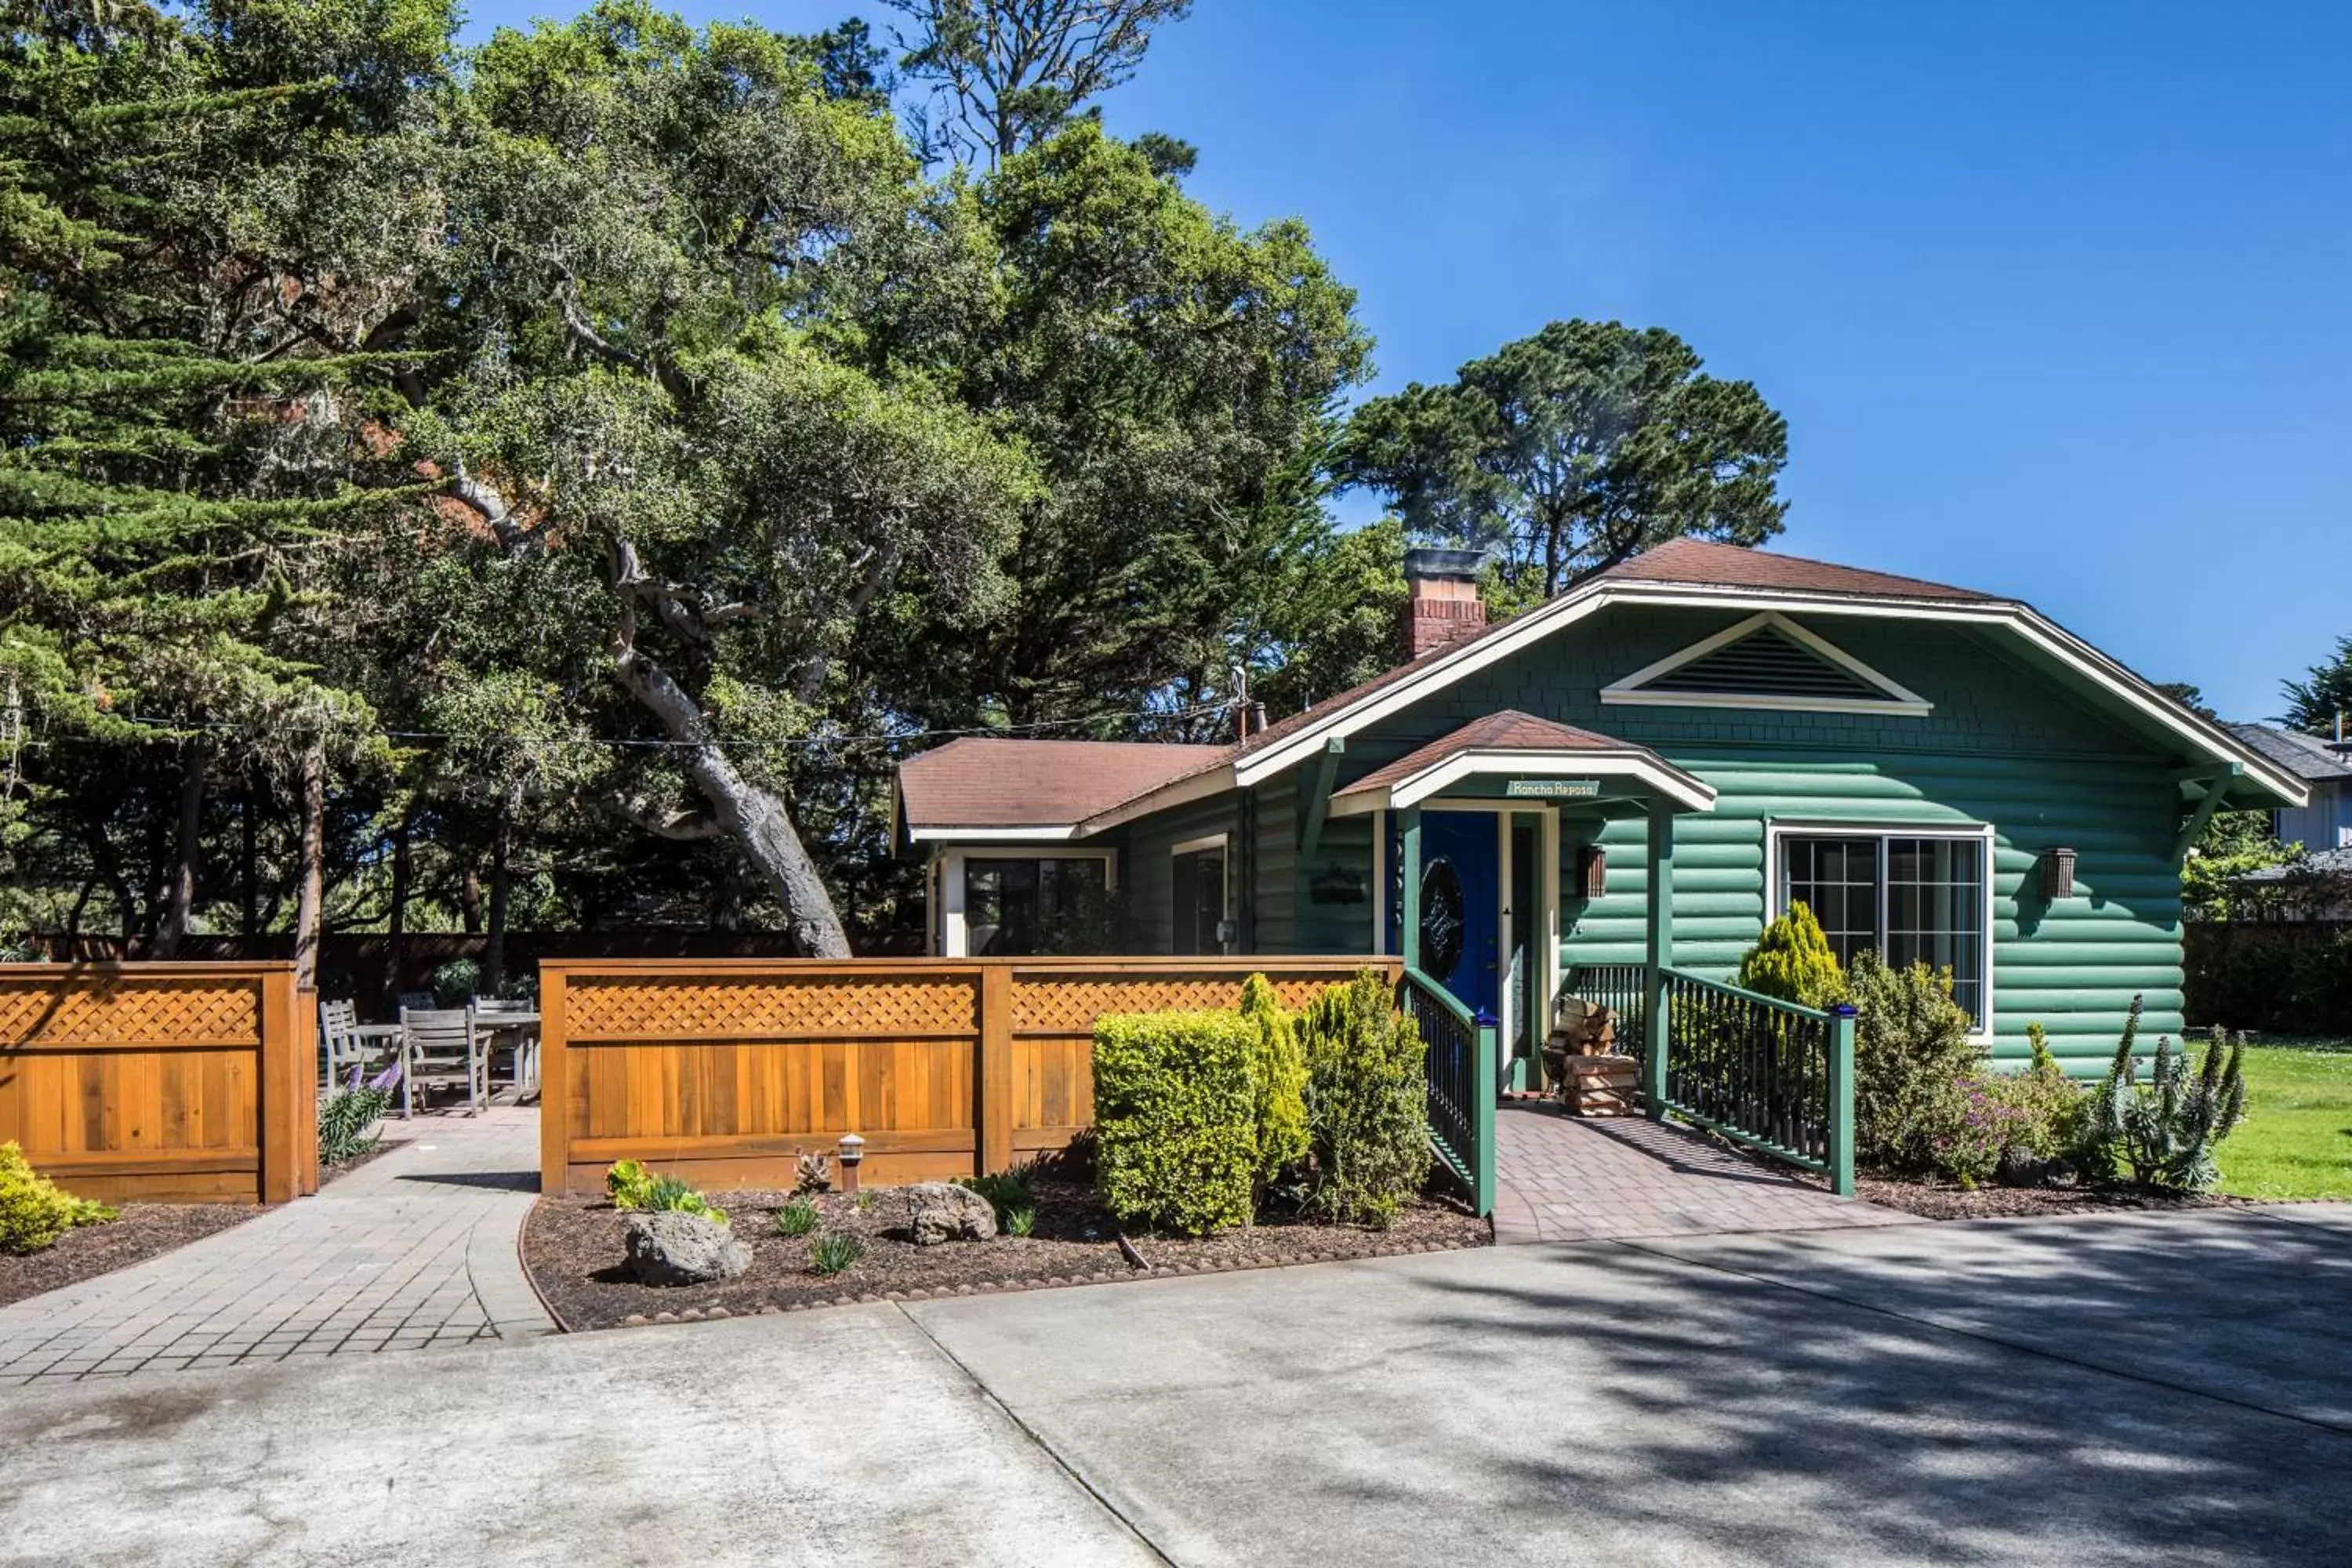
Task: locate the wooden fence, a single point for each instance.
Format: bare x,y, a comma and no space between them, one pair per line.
171,1082
726,1071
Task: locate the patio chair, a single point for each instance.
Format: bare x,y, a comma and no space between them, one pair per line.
440,1047
521,1045
350,1044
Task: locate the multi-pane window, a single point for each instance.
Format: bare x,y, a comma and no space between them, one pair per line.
1912,899
1013,908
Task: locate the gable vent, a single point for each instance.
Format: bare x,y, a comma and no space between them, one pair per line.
1765,663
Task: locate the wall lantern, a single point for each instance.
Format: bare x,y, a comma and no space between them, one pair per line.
853,1154
1592,871
2057,874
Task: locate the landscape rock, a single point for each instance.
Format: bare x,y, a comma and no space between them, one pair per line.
668,1247
2021,1167
942,1211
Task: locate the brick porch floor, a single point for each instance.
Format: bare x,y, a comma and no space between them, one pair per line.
1562,1178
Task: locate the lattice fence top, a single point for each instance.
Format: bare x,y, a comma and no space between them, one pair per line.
1070,1005
654,1007
107,1009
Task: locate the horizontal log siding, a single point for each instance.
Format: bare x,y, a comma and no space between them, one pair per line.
1147,872
2007,744
726,1072
161,1082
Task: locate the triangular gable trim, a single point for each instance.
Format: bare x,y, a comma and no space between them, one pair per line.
1888,696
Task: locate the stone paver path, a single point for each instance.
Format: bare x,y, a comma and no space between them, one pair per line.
1562,1178
416,1249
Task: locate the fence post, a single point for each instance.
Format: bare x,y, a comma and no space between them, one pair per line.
995,1076
1482,1116
1660,897
1842,1099
554,1085
273,1079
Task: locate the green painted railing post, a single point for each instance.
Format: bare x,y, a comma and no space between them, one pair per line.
1842,1099
1409,901
1483,1112
1660,958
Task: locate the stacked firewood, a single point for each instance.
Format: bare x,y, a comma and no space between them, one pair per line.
1589,1075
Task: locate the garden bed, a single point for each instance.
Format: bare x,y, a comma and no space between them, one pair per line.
144,1231
1944,1200
572,1247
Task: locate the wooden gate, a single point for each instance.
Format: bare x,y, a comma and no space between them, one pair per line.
726,1071
171,1082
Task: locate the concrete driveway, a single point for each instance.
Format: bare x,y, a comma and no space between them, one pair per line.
2168,1389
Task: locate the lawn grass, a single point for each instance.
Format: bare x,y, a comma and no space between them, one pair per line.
2297,1139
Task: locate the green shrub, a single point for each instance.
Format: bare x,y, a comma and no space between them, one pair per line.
1020,1221
834,1251
797,1217
625,1184
1277,1080
2163,1131
1367,1103
1912,1062
631,1187
1174,1117
345,1120
1004,1190
33,1212
1793,960
457,983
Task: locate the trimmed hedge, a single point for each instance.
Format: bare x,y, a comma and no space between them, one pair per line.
1175,1118
1367,1102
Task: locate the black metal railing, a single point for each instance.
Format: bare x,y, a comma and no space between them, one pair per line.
1618,987
1758,1069
1461,1083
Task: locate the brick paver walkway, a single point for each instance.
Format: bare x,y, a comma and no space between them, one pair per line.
1561,1178
416,1249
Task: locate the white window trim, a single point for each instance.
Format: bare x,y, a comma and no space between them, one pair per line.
951,935
1981,832
1899,700
1222,844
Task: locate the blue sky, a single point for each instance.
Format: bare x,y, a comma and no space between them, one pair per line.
2055,297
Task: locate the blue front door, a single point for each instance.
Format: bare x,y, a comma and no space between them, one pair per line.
1460,901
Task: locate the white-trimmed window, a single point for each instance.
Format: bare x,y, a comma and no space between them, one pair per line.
1913,895
1198,869
1012,903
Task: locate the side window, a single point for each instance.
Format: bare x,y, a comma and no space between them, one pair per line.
1199,893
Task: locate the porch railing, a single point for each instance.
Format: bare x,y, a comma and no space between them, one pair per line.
1461,1083
1618,987
1766,1073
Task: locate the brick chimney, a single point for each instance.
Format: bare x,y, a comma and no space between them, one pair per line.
1443,606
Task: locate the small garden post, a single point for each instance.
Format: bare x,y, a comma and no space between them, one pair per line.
1409,905
1484,1095
1842,1099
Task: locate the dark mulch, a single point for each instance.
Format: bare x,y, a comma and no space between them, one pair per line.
1936,1200
573,1249
144,1231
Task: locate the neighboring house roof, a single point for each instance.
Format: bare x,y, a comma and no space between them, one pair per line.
1512,741
2320,863
1736,566
1684,571
2307,757
982,782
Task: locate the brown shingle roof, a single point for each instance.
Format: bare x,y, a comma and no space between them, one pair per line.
1510,730
1696,561
984,782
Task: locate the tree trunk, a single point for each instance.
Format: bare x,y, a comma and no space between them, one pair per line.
469,901
309,904
494,951
249,854
180,892
753,817
395,944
